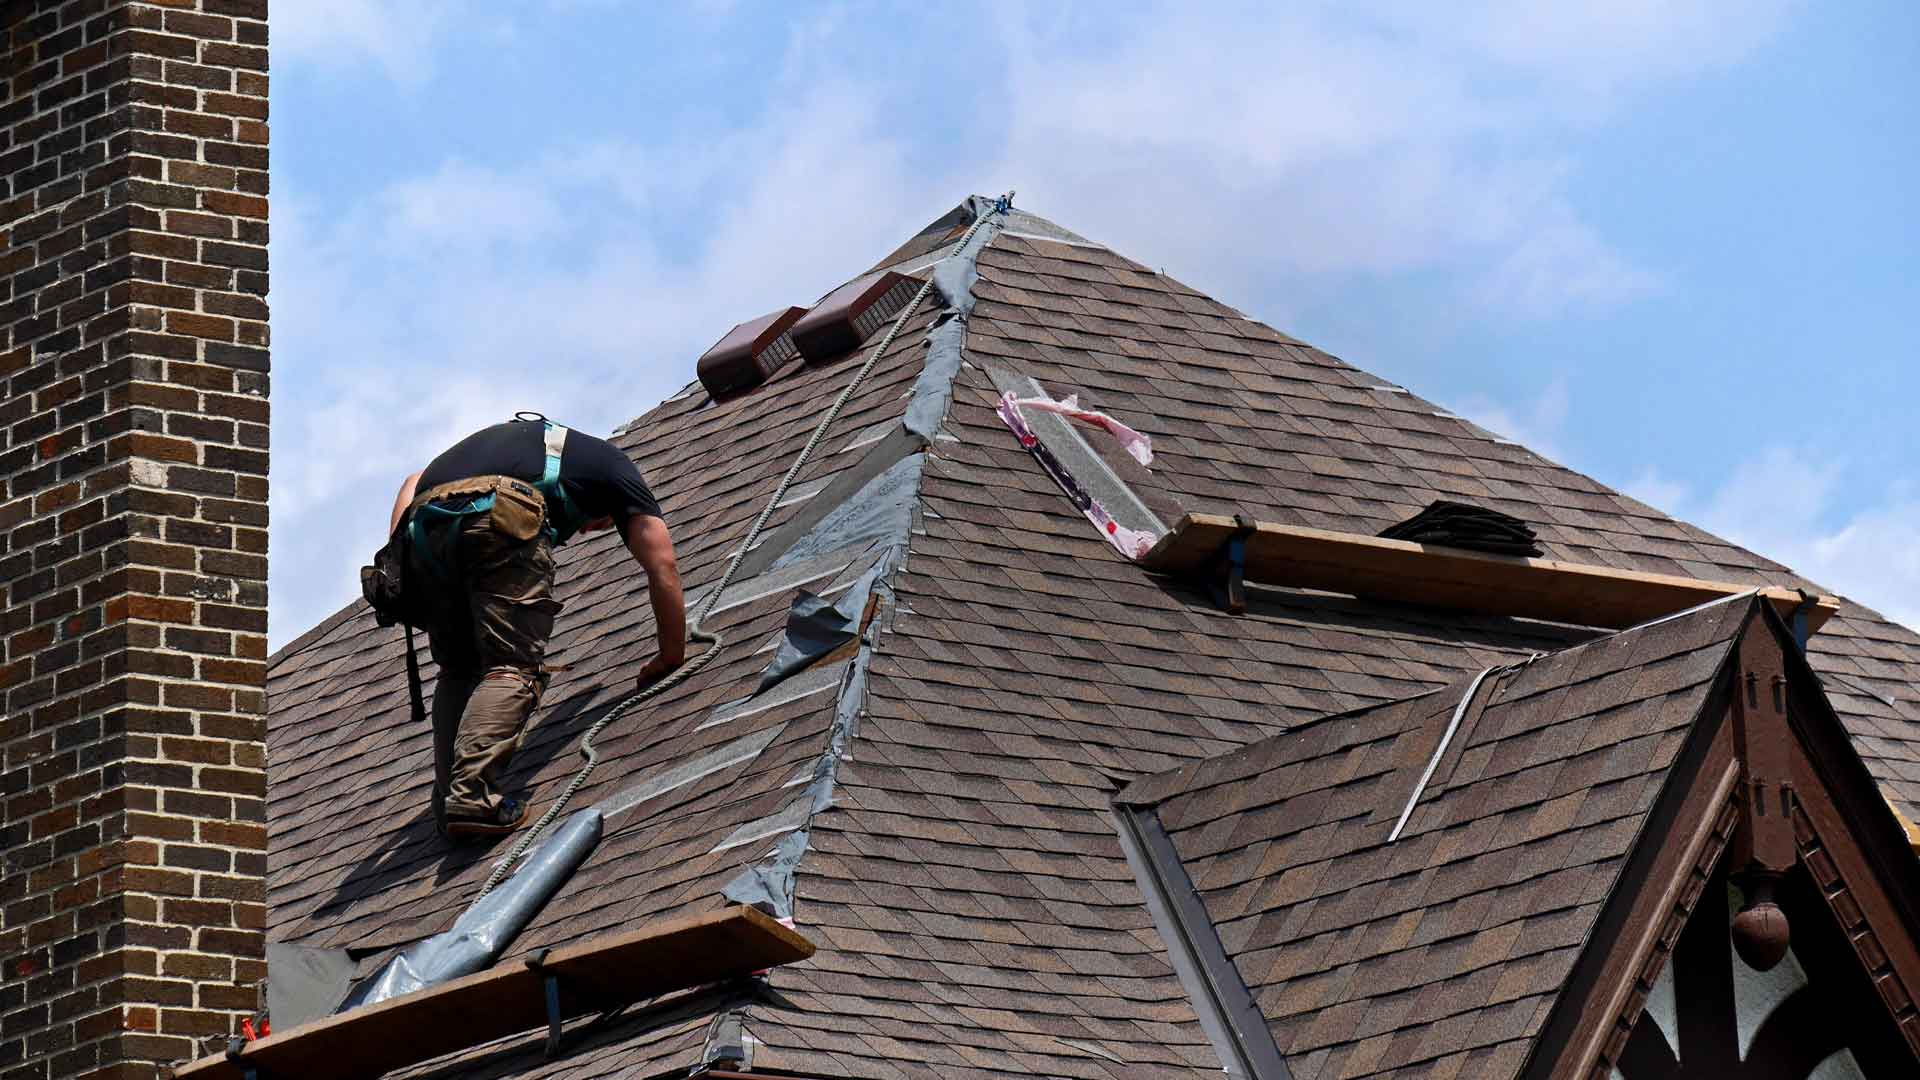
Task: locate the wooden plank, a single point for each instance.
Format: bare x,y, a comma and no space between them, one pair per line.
673,954
1436,576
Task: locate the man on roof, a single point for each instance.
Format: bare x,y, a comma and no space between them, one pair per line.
482,522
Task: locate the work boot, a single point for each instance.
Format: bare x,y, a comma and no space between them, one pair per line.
510,815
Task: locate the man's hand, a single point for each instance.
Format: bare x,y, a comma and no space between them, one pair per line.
656,669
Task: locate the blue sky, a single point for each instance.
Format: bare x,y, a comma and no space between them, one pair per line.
1674,245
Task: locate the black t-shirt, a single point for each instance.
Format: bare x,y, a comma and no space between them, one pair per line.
601,481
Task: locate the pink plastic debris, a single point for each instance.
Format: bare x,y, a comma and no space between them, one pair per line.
1136,444
1132,543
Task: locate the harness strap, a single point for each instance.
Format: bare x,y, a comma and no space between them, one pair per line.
556,443
413,680
472,485
562,517
480,489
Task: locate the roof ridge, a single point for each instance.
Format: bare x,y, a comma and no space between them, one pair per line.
769,882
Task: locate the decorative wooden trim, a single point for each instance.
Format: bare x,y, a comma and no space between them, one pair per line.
1850,913
1610,982
1678,912
1453,578
1857,857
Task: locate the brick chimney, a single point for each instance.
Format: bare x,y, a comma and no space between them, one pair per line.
133,514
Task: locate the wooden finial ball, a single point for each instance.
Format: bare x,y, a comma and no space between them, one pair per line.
1761,935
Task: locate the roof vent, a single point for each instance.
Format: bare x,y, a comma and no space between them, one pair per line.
750,353
846,316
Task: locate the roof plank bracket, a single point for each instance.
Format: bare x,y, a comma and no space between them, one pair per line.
550,986
1227,569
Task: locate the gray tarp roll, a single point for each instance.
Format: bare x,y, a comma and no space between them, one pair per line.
485,929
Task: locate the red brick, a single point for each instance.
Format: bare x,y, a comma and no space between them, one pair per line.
202,326
159,609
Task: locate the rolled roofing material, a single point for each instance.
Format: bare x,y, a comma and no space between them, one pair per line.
484,930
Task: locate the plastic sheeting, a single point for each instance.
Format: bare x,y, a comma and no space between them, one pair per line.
729,1045
1138,446
485,929
882,509
768,884
1133,543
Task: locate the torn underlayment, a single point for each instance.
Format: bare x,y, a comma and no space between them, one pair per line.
485,929
728,1045
768,884
1133,543
816,627
953,278
880,512
882,509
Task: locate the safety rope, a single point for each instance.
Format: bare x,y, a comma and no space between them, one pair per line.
695,632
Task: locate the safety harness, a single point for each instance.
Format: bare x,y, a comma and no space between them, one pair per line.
427,534
448,505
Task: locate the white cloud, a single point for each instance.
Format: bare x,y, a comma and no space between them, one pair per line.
1352,139
1784,504
1654,488
1599,51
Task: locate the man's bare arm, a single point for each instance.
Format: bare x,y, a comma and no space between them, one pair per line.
403,500
652,547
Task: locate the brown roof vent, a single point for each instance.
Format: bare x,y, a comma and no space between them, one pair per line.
750,353
846,316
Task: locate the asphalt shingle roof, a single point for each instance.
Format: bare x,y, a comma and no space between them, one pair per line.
975,914
1440,952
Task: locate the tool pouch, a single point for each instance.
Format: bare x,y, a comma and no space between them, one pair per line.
518,510
383,584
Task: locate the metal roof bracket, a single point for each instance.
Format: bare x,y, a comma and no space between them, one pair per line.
550,984
248,1070
1801,628
1227,570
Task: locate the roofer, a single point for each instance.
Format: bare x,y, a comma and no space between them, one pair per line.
482,522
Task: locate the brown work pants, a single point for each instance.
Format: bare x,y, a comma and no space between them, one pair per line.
489,634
